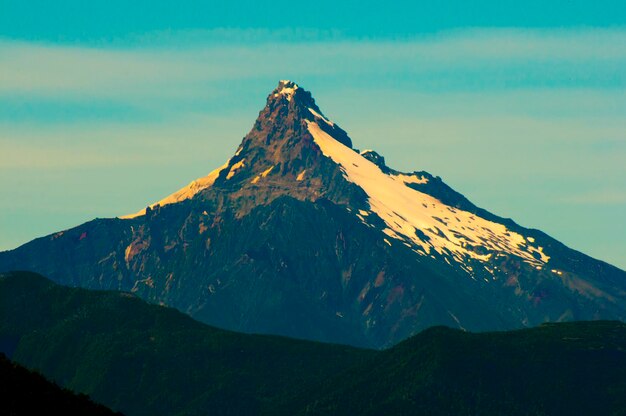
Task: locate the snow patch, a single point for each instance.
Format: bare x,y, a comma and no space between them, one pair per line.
318,115
287,89
187,192
267,171
262,174
444,229
234,168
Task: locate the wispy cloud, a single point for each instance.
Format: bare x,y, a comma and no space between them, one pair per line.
602,197
191,140
174,69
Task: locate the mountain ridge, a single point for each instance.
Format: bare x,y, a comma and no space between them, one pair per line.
149,360
299,234
286,105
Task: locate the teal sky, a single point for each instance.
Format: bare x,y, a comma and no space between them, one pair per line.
108,106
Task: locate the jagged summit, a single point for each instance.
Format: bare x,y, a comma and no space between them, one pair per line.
289,90
376,158
279,143
289,104
286,88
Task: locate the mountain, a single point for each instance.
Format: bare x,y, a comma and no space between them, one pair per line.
300,234
25,393
150,360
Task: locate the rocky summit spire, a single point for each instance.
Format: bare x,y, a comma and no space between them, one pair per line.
289,106
287,89
279,149
281,152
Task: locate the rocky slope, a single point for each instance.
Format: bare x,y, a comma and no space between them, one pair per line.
299,234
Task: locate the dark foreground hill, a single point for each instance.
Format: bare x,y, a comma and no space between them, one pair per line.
574,368
145,359
25,393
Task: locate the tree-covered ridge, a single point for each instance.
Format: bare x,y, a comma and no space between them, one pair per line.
555,369
26,393
146,359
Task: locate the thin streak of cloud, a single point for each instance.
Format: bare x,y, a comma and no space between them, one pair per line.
601,197
186,140
476,43
588,56
536,114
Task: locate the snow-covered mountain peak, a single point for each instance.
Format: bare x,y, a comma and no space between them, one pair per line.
184,193
419,220
316,240
281,154
278,138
